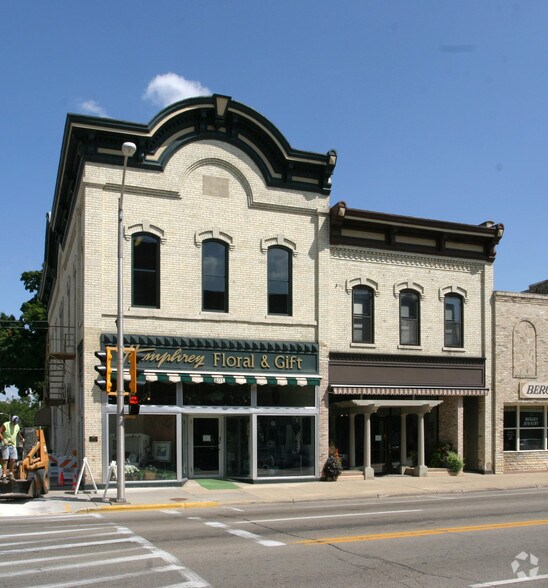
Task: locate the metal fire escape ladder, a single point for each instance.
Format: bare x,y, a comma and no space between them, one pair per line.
60,355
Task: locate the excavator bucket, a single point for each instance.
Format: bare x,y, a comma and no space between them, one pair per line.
19,489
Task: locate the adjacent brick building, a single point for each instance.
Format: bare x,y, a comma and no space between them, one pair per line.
521,379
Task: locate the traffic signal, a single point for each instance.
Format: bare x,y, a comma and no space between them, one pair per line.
134,405
135,371
104,381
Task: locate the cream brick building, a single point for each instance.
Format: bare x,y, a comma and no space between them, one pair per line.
269,323
410,339
225,246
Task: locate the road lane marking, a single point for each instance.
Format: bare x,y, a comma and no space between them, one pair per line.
257,538
244,534
331,516
510,581
421,532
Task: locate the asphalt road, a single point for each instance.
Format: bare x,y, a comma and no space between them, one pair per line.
483,539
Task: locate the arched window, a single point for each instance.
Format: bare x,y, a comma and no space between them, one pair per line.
145,250
409,318
215,276
279,281
453,323
362,314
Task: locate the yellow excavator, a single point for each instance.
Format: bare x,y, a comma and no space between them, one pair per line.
32,471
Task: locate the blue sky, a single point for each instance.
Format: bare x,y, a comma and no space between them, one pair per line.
437,109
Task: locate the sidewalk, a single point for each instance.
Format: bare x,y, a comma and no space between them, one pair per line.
193,494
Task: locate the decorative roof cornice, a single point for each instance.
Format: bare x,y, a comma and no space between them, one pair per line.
375,230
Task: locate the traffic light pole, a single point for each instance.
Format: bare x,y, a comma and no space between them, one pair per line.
128,149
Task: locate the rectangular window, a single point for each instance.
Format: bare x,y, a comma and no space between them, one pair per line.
215,276
285,446
279,281
409,318
525,428
146,270
362,315
531,428
453,321
286,396
510,428
216,394
143,434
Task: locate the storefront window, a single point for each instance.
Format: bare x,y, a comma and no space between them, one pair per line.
288,396
159,393
285,446
237,446
510,428
150,447
524,428
216,395
531,428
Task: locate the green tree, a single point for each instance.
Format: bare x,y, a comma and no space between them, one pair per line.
24,408
23,343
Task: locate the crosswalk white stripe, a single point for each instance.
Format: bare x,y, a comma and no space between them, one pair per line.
50,558
191,579
86,582
87,564
56,532
68,545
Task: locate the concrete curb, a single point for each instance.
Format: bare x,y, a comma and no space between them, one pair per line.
296,500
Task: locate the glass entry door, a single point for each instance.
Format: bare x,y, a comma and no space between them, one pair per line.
206,447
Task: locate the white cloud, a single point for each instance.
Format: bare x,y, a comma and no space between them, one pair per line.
167,88
92,107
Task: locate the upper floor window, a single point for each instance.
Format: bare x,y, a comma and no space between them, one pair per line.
409,318
146,270
453,324
215,276
279,281
362,314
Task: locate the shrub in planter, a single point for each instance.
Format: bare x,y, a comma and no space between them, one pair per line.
439,456
333,466
454,462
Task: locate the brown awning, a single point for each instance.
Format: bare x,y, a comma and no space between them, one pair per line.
386,391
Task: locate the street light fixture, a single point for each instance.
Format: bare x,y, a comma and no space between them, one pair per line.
128,149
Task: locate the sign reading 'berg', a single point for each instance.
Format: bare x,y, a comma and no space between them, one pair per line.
534,390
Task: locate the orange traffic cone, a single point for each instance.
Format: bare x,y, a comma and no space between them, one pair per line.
61,480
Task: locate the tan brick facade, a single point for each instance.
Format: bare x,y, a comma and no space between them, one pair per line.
521,342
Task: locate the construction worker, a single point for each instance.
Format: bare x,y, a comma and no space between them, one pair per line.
9,433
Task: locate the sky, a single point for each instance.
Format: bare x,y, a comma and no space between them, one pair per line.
437,109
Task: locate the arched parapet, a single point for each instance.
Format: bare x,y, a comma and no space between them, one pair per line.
214,117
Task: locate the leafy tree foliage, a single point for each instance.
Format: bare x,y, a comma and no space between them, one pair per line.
23,343
24,408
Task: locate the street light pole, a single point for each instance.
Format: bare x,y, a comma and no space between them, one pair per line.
128,149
